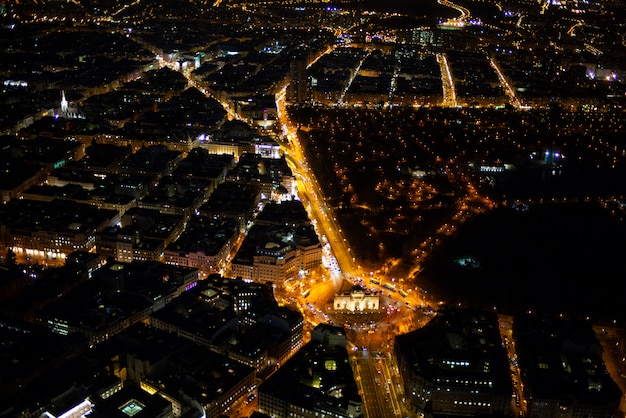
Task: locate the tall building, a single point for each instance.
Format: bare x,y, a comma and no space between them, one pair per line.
298,89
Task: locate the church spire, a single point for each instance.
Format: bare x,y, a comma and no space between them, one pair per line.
64,104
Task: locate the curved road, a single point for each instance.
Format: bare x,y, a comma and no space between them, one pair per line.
465,13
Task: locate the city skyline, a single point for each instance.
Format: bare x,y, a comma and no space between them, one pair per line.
275,181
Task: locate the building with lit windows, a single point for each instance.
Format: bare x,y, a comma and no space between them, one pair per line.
272,175
141,235
181,144
52,230
257,110
204,244
64,176
238,319
456,365
284,333
130,401
90,262
275,253
251,355
263,146
136,186
315,383
117,296
194,380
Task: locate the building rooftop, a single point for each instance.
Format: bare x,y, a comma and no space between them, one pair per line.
59,216
274,240
316,378
132,402
116,293
457,345
205,235
14,172
231,198
200,164
562,359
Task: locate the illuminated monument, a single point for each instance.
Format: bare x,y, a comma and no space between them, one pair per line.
356,300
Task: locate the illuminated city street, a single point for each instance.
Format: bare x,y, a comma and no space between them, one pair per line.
312,195
312,209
